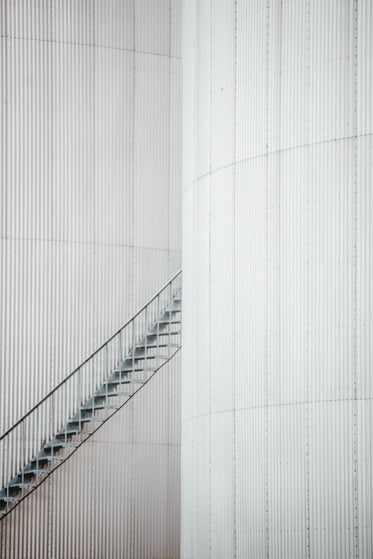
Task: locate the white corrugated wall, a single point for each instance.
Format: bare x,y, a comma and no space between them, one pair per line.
89,166
118,496
277,274
90,207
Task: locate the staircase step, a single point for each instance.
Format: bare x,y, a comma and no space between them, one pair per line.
154,334
119,393
154,346
143,356
118,384
98,407
67,432
34,472
10,499
169,316
127,381
60,444
53,457
43,458
127,369
21,485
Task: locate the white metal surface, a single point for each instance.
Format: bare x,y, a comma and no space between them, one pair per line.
277,279
63,420
118,495
89,209
90,214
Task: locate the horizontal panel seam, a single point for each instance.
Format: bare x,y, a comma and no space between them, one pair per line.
275,152
91,243
280,405
76,44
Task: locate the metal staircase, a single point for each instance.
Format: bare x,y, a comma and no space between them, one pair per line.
52,430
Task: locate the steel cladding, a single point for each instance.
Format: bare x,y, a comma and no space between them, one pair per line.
277,275
89,211
118,495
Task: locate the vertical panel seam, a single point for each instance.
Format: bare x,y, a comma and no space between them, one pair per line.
234,348
132,461
266,364
279,139
93,511
194,274
307,280
354,277
169,159
194,199
169,403
209,293
133,155
52,379
7,420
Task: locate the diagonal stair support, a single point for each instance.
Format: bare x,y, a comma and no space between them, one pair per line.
44,438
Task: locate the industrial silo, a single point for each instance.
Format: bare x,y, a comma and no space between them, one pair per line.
277,331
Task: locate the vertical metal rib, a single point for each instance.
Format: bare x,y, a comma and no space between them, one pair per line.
62,430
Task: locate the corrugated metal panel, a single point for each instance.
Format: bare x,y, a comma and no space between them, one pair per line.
119,494
89,165
277,322
90,210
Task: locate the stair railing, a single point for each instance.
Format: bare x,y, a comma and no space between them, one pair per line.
23,441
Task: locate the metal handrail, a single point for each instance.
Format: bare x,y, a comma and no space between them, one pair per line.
58,386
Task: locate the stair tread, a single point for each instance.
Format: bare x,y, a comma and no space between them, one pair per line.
25,485
155,334
10,499
154,346
127,381
98,407
163,330
34,472
61,445
129,369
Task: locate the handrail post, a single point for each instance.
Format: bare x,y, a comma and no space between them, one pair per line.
65,419
120,346
157,348
38,442
79,406
93,387
107,378
146,342
7,474
133,358
51,431
23,457
170,321
121,374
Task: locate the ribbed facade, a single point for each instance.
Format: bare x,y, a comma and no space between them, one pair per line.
89,160
90,208
277,275
118,496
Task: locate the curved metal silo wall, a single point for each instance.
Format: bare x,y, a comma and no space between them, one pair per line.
89,231
277,273
90,111
118,496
